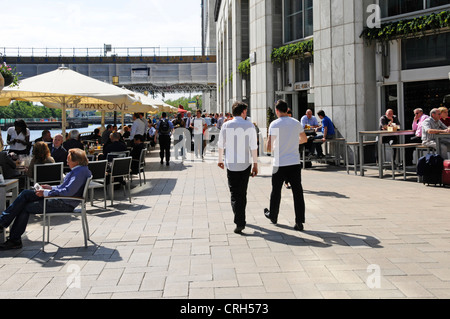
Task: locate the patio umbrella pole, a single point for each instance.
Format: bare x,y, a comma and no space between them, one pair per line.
103,122
64,118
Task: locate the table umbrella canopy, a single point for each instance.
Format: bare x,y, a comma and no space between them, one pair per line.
65,87
181,109
158,105
139,106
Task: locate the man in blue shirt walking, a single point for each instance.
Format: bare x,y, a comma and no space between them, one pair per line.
31,201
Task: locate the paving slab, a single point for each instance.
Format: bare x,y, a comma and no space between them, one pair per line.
364,237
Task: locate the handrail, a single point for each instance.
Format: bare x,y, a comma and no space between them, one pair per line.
101,52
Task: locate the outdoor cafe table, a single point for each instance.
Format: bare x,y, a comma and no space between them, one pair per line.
379,135
438,138
8,185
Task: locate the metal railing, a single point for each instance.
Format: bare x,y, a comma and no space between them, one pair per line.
103,51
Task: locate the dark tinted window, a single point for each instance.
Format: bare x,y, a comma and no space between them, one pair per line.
429,51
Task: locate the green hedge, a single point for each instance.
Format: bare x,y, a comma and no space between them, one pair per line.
405,28
291,51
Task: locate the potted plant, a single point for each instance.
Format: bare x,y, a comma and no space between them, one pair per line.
10,78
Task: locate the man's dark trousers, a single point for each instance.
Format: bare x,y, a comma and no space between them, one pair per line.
164,145
238,182
292,175
25,204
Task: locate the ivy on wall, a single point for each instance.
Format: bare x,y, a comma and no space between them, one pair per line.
405,28
293,50
244,67
284,53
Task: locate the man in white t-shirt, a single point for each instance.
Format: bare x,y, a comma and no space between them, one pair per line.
285,134
238,137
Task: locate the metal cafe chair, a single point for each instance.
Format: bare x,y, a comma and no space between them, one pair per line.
49,173
98,171
111,155
76,212
120,167
141,167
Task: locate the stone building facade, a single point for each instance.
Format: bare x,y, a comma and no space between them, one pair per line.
353,80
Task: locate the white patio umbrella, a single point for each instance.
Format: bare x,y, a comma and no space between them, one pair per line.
104,106
65,87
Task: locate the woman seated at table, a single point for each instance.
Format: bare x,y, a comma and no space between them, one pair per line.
41,155
444,116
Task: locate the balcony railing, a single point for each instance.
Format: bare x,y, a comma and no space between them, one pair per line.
104,51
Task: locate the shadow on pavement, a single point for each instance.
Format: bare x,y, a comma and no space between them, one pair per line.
308,237
325,194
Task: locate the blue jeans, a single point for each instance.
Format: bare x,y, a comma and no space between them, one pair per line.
25,204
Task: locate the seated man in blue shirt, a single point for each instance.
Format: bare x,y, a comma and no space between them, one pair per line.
31,201
327,132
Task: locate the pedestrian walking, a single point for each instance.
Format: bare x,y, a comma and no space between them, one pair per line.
238,138
285,135
164,130
198,125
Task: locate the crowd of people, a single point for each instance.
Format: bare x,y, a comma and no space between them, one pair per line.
238,147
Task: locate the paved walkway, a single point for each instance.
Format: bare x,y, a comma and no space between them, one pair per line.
364,238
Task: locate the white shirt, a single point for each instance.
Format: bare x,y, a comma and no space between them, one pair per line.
285,133
138,127
238,138
198,124
17,146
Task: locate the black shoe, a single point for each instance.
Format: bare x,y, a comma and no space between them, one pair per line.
11,244
298,227
267,214
167,163
239,229
162,162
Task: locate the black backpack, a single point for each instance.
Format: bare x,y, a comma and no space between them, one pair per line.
164,127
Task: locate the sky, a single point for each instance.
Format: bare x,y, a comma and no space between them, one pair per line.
92,23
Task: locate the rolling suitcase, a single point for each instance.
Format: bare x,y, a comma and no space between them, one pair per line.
446,173
430,167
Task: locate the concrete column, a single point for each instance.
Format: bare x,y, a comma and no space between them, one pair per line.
344,66
236,51
262,75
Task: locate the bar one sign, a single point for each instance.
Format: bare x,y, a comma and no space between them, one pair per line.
99,107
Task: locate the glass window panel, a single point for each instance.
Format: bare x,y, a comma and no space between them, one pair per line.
396,7
437,3
426,52
426,95
308,18
298,19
